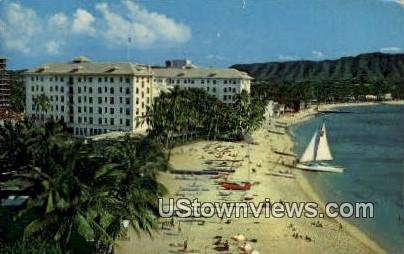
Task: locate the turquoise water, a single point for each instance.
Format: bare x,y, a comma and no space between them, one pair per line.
369,144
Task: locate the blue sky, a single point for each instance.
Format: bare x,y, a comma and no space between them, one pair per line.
210,32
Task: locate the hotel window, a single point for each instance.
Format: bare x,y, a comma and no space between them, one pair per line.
147,100
78,79
106,99
225,82
225,90
214,81
120,79
105,89
142,84
90,79
120,121
142,94
62,89
127,91
99,90
90,110
127,122
127,111
79,119
127,100
111,79
90,99
62,108
224,97
85,109
148,90
120,100
137,111
99,100
127,80
105,110
137,90
99,110
234,89
79,99
56,88
62,98
79,109
207,88
120,89
32,78
142,104
90,120
79,89
105,120
111,100
32,88
41,79
111,111
111,90
234,82
51,89
90,90
62,79
137,100
99,80
105,79
71,119
41,88
121,110
111,121
99,120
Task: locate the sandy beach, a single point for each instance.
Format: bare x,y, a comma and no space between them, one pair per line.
254,162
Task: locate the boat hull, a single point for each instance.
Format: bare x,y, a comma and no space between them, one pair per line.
236,186
320,168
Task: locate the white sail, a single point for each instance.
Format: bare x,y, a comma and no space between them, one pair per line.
323,150
309,153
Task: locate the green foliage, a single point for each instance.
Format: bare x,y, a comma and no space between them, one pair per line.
17,96
186,114
81,191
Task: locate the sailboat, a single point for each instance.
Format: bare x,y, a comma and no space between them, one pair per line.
317,153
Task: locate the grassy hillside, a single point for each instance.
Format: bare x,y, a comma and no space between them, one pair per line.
371,67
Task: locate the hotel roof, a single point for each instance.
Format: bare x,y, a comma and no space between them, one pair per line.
82,65
218,73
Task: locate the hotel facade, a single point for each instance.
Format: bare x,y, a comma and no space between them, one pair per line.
94,98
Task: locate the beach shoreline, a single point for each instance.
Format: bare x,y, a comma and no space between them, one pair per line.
270,234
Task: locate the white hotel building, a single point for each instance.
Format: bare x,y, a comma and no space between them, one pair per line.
93,98
221,82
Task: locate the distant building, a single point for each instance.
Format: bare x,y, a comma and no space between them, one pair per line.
91,97
388,96
224,83
370,97
179,63
5,90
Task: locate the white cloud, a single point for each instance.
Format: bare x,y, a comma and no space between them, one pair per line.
24,31
53,47
83,21
18,27
317,54
400,2
390,50
146,28
58,21
288,58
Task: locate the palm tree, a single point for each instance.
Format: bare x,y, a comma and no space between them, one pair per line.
42,102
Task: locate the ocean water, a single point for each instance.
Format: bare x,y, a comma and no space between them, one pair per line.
369,144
